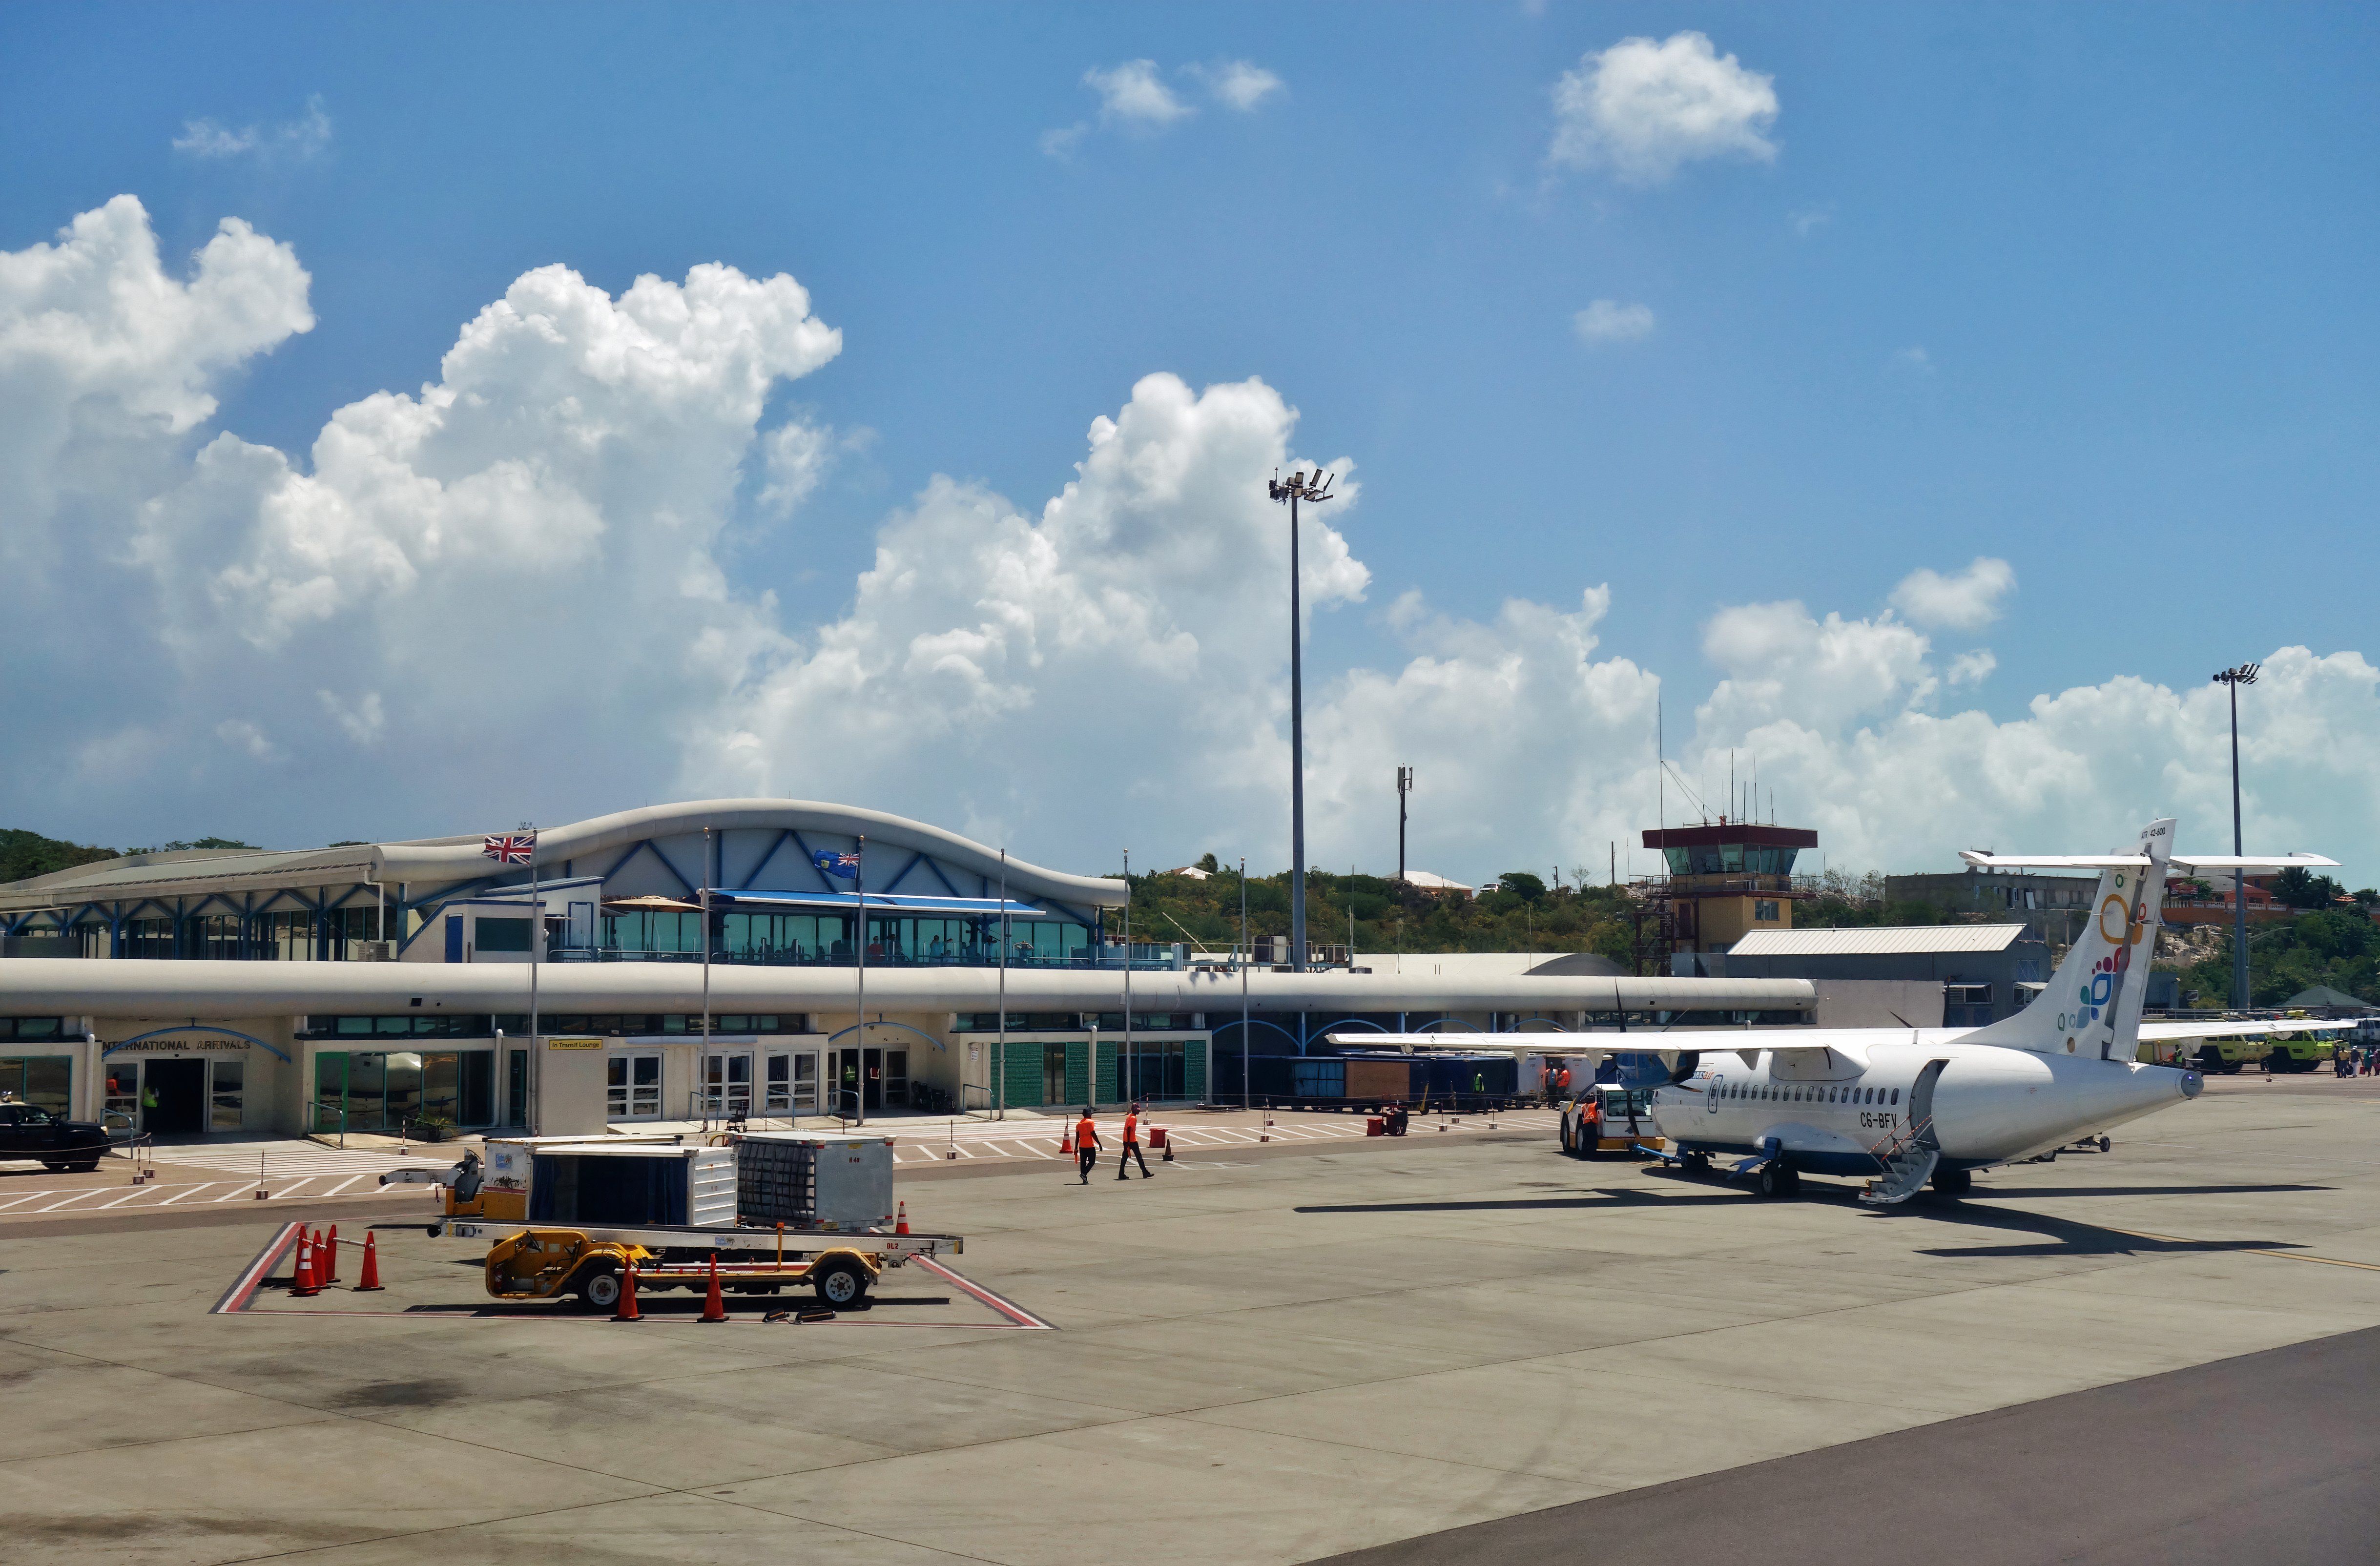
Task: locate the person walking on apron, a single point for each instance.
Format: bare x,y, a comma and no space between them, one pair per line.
1086,1146
1130,1148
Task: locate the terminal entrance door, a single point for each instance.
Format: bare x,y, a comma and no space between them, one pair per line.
727,1084
858,1078
172,1098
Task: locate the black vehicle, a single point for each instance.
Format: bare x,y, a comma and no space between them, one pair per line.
29,1131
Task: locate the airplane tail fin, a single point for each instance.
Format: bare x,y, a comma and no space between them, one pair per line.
2092,1006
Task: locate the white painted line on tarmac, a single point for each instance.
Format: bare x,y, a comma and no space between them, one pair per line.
294,1185
34,1197
242,1189
343,1186
135,1190
191,1191
1034,1151
79,1196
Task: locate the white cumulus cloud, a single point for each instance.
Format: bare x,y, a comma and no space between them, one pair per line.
1609,321
504,594
1967,601
1641,109
1132,93
1238,84
306,137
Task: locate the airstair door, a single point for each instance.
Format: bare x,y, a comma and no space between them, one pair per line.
1920,1105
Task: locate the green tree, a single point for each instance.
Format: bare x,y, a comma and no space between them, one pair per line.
24,854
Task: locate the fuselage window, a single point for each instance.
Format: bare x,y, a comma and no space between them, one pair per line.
1896,1095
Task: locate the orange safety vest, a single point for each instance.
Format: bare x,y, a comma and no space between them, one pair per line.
1086,1134
1130,1130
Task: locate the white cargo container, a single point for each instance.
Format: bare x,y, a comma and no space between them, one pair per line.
838,1181
588,1184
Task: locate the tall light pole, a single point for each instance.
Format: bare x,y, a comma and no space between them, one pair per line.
1404,786
2245,674
1316,488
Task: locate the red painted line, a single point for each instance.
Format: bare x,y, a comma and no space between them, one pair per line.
244,1287
1016,1312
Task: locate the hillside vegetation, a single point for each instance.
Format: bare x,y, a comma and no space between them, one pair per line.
24,854
1525,916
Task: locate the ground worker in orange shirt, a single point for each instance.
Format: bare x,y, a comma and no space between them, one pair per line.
1131,1149
1086,1146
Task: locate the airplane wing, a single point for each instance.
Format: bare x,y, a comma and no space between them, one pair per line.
1984,861
2186,864
2166,1032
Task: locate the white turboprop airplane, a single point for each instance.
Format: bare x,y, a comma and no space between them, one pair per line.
1906,1106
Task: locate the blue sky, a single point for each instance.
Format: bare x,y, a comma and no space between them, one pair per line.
2083,289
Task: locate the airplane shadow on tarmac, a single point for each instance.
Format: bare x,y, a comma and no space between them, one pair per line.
2070,1238
2064,1237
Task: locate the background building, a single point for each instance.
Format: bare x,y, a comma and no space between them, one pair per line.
364,986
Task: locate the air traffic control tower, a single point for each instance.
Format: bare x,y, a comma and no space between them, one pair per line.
1725,879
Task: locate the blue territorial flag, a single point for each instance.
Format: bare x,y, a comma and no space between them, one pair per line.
843,865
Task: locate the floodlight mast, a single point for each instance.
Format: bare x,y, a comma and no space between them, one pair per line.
1313,488
2245,674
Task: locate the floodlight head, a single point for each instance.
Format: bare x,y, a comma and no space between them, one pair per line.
2245,674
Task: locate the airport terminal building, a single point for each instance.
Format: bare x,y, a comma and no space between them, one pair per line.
366,987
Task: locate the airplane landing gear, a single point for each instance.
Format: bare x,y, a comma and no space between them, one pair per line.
1776,1178
1953,1182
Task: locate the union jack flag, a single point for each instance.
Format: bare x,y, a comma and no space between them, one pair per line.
843,865
509,848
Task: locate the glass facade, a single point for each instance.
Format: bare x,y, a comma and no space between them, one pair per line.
45,1081
651,1025
408,1024
1730,859
632,1087
388,1090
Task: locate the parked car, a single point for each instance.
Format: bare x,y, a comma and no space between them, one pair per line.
29,1131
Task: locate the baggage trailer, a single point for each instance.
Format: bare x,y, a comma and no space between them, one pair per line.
587,1265
769,1211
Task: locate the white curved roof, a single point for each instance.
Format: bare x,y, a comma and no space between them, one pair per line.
458,858
431,861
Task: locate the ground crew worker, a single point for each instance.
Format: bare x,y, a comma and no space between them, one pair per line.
1591,1124
1086,1146
1130,1148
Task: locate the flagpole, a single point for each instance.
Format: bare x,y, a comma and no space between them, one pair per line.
859,949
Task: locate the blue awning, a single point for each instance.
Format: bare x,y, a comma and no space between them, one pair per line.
891,903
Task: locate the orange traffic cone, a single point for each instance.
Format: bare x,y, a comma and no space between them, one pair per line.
1169,1147
628,1310
714,1307
330,1258
370,1283
1066,1141
901,1220
305,1285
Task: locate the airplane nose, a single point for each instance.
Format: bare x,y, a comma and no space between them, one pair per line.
2193,1084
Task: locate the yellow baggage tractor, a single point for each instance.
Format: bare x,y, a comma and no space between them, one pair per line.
588,1266
1627,1121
